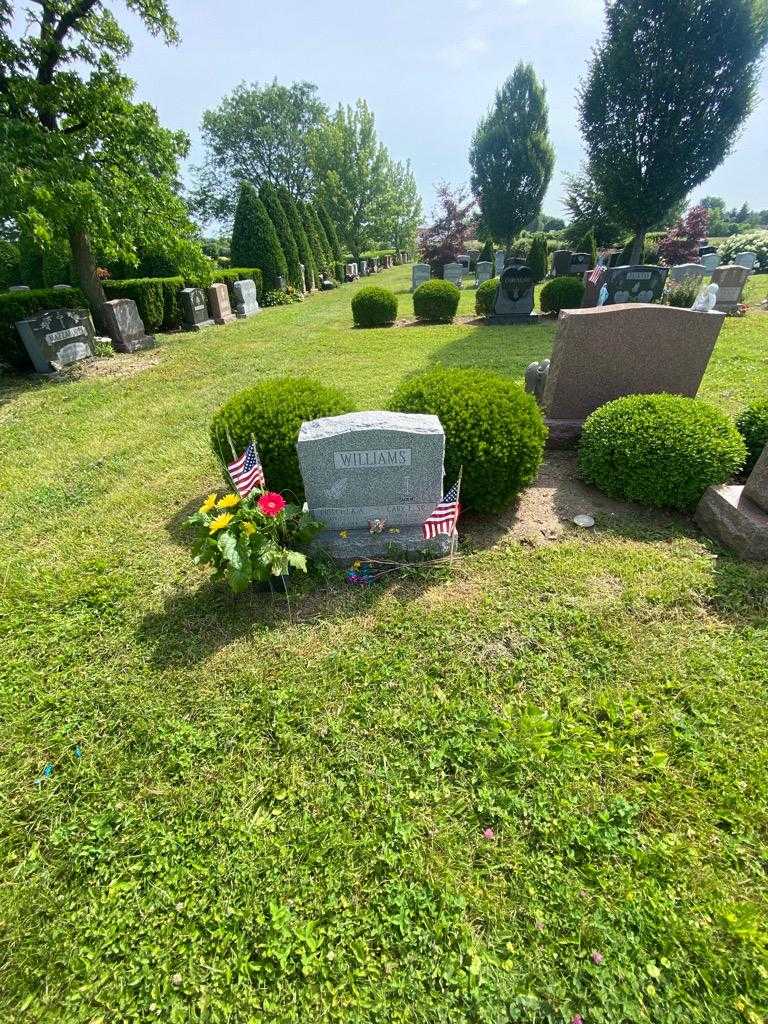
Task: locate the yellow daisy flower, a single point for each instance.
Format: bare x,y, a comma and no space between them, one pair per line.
249,528
220,522
343,534
228,501
208,504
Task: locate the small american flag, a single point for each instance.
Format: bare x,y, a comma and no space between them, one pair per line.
597,273
246,472
443,519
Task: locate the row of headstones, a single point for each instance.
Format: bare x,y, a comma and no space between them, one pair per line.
566,263
364,268
617,285
57,338
453,272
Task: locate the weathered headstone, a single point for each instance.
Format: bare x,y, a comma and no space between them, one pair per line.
62,287
246,302
710,261
635,284
593,283
125,327
19,288
738,516
420,272
218,300
464,261
746,259
686,271
194,309
633,349
581,263
373,479
362,268
561,262
483,271
453,272
57,338
513,303
730,280
498,261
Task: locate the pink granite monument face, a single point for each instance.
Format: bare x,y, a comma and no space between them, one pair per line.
218,300
632,349
730,280
737,517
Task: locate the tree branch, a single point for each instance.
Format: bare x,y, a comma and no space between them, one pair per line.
53,49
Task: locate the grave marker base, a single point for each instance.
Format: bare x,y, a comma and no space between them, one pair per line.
501,320
408,544
734,521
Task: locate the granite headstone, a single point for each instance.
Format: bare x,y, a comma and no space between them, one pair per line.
635,284
194,309
498,262
738,516
710,261
746,259
57,338
581,263
125,327
513,302
453,272
218,300
561,262
420,272
730,280
246,302
686,271
483,271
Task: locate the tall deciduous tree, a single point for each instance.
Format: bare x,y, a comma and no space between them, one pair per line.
668,88
402,209
78,159
511,156
254,239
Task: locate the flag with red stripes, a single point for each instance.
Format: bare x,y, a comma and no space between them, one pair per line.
246,472
445,516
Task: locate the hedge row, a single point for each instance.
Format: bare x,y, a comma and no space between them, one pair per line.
21,305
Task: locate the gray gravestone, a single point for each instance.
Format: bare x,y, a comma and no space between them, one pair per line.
561,262
513,303
125,327
420,272
730,280
483,271
581,263
499,263
62,287
463,260
686,271
218,300
453,272
635,284
746,259
710,261
738,516
373,479
245,298
194,309
57,338
19,288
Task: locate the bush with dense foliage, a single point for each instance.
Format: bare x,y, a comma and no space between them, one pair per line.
16,306
10,263
682,293
270,198
493,429
373,306
753,241
149,294
485,295
681,243
561,293
297,229
753,427
537,258
330,232
254,239
659,450
273,413
436,301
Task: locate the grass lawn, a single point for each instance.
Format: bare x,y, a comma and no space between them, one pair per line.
255,819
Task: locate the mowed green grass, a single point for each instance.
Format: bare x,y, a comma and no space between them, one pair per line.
257,817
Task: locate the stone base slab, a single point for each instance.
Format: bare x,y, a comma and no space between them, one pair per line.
495,320
221,320
200,326
408,544
563,433
134,344
726,516
246,316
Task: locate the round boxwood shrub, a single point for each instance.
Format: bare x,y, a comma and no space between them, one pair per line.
753,427
660,450
485,295
273,413
436,301
492,428
561,293
374,306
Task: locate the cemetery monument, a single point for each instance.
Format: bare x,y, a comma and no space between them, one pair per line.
246,303
57,338
194,309
218,300
125,327
730,280
737,516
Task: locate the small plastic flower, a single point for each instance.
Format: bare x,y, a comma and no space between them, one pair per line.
577,1019
208,504
221,522
597,958
271,503
249,528
343,534
488,833
228,501
357,565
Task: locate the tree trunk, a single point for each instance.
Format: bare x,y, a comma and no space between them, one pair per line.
86,273
638,248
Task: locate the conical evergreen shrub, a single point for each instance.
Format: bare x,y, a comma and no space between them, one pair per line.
254,239
538,260
268,196
322,238
330,231
300,236
314,242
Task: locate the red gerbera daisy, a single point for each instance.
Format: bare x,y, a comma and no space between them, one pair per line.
271,503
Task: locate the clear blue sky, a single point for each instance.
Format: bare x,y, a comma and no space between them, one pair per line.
428,69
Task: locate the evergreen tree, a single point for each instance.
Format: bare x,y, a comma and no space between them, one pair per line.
296,224
330,231
538,259
254,239
589,244
314,242
322,238
268,195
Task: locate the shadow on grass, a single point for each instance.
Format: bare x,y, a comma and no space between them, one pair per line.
505,350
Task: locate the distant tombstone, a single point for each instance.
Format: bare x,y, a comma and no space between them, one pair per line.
453,272
635,284
686,271
561,262
303,271
736,516
62,287
483,271
513,303
464,261
362,268
19,288
373,479
499,263
420,272
581,263
632,349
125,327
746,259
194,309
730,280
710,261
57,338
218,300
593,285
246,301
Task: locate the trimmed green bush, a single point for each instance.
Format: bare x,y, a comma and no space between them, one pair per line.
254,239
330,232
21,305
561,293
322,264
322,237
493,429
300,235
10,264
373,306
268,195
537,258
753,427
273,413
149,294
659,450
436,301
485,295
